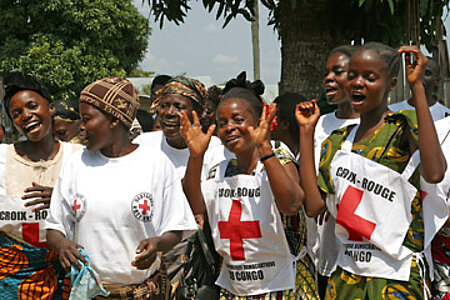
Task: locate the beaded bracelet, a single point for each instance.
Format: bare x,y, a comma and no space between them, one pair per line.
264,158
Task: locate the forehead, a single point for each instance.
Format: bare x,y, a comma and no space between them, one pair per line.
175,98
88,109
233,106
368,60
25,96
338,59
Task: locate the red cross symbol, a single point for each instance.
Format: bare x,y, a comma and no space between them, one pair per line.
76,206
356,226
236,230
144,207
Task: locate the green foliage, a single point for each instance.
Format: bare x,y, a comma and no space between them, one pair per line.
70,43
140,73
146,89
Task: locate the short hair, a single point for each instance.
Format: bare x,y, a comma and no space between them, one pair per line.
160,80
249,96
286,104
347,50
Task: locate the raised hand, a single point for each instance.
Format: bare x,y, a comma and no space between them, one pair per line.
307,113
40,193
196,140
414,72
261,134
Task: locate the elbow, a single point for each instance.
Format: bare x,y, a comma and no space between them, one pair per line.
295,205
434,178
312,213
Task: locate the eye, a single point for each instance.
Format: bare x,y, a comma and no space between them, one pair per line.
351,75
164,105
239,120
221,123
180,106
33,105
371,77
15,114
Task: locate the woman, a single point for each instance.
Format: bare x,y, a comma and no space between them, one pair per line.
66,121
259,187
369,180
116,199
28,171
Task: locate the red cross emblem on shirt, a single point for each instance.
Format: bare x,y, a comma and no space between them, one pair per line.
76,206
145,207
236,230
356,226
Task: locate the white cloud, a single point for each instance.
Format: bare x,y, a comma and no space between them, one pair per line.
225,59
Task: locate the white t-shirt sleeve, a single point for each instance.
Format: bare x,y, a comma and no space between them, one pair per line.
60,215
176,214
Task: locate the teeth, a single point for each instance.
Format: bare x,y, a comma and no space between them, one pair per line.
28,126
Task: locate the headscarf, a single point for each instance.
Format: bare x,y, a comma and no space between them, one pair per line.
115,96
67,110
184,86
15,82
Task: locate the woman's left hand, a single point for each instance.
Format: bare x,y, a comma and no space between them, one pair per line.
41,193
261,134
414,72
147,251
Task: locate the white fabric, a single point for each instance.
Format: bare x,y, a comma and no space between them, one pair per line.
264,262
437,110
322,244
16,219
372,207
108,205
179,157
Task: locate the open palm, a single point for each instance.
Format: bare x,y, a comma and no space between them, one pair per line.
196,140
261,133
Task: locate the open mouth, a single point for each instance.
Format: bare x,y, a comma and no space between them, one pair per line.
231,140
31,127
330,91
358,98
170,125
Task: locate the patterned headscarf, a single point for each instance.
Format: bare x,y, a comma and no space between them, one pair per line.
184,86
67,110
115,96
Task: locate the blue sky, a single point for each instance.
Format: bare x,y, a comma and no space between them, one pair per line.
200,47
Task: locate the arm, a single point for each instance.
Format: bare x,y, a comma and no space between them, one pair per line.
433,164
307,115
67,250
197,143
149,248
284,181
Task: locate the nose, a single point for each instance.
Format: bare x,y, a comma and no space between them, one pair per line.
328,77
82,126
357,82
26,114
172,111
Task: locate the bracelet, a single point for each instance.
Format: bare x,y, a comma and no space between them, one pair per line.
264,158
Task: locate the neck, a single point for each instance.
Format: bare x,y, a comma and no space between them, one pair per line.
177,143
345,111
430,100
247,161
44,149
371,121
121,146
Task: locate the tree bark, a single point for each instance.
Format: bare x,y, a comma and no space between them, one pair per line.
305,46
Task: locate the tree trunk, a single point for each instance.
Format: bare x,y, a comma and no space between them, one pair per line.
305,46
255,43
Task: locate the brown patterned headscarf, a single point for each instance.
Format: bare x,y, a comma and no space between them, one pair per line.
115,96
184,86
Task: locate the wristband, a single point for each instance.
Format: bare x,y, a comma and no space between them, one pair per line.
264,158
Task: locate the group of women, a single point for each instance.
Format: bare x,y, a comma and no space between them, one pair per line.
376,180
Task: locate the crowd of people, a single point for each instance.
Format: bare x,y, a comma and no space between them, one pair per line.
217,194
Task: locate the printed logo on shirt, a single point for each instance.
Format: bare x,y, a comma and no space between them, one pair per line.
78,206
142,207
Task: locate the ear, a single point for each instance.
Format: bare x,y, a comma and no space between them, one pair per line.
52,108
393,83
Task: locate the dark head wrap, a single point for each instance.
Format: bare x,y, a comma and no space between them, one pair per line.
15,82
257,86
184,86
67,110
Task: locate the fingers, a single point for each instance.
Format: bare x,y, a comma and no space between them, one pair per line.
211,129
147,250
144,262
272,112
196,119
71,256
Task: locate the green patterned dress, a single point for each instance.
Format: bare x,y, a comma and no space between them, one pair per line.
389,146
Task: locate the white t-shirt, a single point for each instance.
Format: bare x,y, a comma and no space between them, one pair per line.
437,110
179,157
321,238
108,205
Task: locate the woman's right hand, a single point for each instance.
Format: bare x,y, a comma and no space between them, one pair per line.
69,254
196,140
307,113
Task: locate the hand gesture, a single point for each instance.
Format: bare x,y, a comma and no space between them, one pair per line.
261,134
414,72
41,193
69,254
196,140
307,113
147,251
